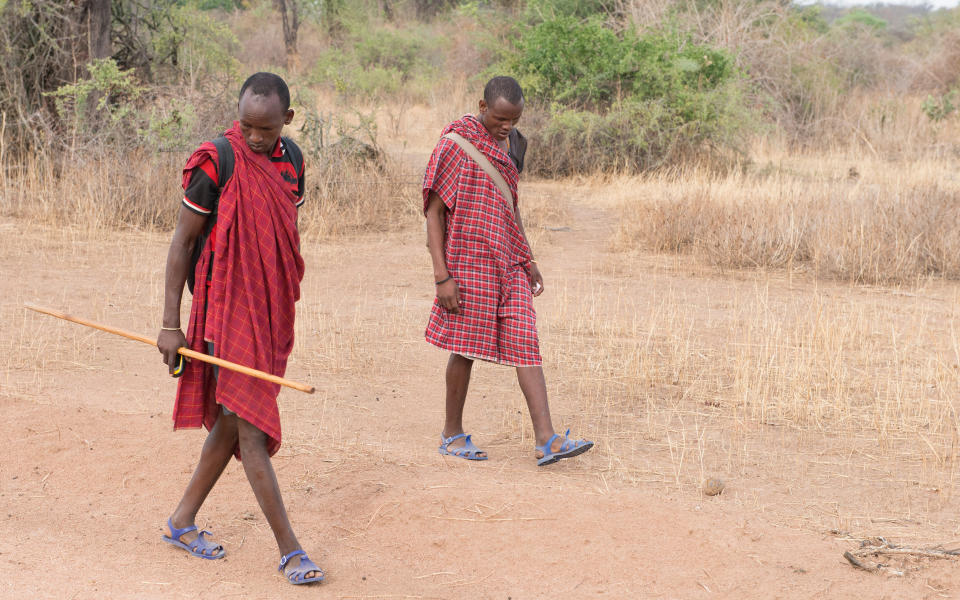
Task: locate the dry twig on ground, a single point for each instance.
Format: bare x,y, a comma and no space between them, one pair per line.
878,546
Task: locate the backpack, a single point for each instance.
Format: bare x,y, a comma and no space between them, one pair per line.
225,162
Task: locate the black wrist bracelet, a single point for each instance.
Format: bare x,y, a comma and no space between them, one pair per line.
449,277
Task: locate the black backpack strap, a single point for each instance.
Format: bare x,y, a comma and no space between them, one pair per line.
225,160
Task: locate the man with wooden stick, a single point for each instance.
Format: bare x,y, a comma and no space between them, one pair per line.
483,267
246,282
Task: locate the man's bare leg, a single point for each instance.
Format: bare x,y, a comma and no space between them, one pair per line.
458,373
214,457
263,480
534,388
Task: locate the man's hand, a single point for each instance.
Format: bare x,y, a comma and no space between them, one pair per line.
169,342
536,279
448,293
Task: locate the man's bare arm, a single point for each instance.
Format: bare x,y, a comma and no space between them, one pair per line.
448,292
536,279
189,227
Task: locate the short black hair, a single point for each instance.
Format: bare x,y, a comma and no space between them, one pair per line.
267,84
502,87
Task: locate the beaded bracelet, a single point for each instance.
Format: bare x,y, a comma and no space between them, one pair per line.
449,277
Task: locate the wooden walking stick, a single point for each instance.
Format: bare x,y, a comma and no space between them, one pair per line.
213,360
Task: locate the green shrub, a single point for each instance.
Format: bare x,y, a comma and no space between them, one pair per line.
568,61
398,50
102,105
626,101
195,47
939,108
173,126
635,135
549,9
858,17
218,4
376,63
585,63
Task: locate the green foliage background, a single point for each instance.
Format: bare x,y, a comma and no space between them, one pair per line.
610,86
627,100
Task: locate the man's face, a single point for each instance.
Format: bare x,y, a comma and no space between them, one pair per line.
261,120
500,117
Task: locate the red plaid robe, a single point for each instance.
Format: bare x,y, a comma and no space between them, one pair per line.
254,286
485,252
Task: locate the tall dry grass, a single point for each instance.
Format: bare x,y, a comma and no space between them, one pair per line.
700,370
866,221
141,190
138,190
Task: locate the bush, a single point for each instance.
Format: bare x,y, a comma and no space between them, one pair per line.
549,9
939,108
380,62
41,50
635,135
171,41
626,101
102,105
567,61
860,18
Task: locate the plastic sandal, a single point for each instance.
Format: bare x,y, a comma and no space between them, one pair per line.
198,546
468,451
297,576
568,449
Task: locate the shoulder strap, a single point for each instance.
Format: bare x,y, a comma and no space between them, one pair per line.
484,164
225,160
296,155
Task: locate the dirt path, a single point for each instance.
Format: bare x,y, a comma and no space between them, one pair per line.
92,468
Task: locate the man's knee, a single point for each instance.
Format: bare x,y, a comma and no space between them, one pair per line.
250,437
459,358
225,427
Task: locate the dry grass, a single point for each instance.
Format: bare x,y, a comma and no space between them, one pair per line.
779,387
141,191
807,360
350,198
868,221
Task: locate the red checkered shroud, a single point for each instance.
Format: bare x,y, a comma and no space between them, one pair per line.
252,295
485,252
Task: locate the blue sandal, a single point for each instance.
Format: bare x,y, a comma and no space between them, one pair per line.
297,576
468,450
568,449
198,546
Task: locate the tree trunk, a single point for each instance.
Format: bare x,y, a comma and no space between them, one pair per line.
290,16
387,7
93,42
96,25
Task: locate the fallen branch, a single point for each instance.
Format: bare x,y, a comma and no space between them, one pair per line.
892,551
878,546
856,562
